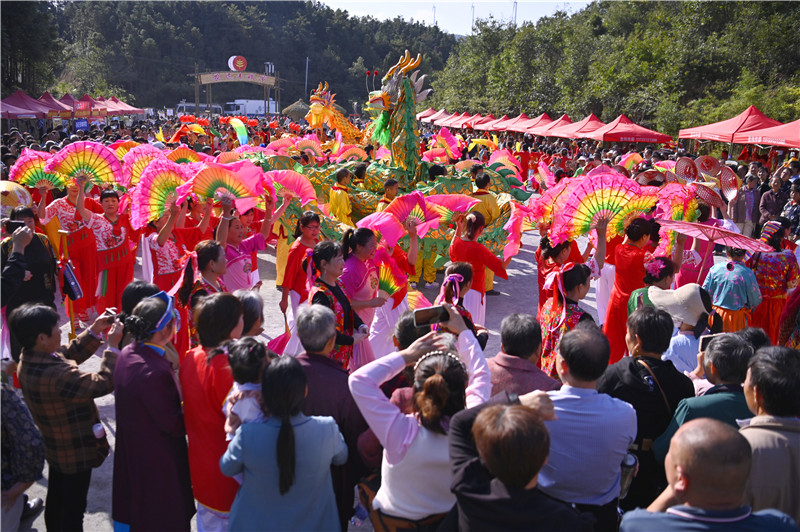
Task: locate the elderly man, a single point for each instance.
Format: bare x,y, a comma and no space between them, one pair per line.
743,210
707,469
328,395
772,390
587,476
725,365
514,368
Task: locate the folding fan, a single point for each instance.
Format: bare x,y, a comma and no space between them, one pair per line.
638,205
514,227
505,158
182,154
663,166
389,227
648,176
293,181
444,139
482,142
544,176
450,204
353,153
86,159
542,208
686,169
282,143
13,195
707,165
466,165
594,199
390,279
629,160
122,149
228,157
416,300
29,171
136,160
413,205
730,183
310,147
238,180
155,191
240,129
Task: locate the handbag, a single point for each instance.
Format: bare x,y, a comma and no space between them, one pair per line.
71,287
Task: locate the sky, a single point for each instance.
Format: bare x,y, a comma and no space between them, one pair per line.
454,16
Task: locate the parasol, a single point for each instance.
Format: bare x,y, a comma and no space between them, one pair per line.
714,234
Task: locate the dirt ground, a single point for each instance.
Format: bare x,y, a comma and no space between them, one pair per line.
518,294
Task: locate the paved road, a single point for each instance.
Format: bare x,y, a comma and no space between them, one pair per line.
518,294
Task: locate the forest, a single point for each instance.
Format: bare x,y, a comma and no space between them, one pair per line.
666,65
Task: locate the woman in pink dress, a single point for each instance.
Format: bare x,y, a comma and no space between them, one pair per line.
360,282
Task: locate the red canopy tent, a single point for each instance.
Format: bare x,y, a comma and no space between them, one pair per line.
13,112
483,120
489,125
59,109
622,129
427,112
786,135
577,130
750,119
22,101
465,122
99,109
131,110
543,129
504,125
523,125
445,122
440,114
114,109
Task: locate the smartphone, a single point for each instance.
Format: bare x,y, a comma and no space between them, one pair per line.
705,340
110,312
13,225
430,315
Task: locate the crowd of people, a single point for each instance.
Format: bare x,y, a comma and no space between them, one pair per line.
677,410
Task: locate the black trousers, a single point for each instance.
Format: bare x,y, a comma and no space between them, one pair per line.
66,501
607,516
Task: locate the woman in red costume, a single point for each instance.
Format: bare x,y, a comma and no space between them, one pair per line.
80,241
629,275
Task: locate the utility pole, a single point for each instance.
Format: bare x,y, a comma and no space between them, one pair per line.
196,88
515,13
306,90
472,26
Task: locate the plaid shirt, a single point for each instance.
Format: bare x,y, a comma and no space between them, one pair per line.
61,399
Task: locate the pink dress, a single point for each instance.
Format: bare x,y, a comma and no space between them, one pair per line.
360,282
